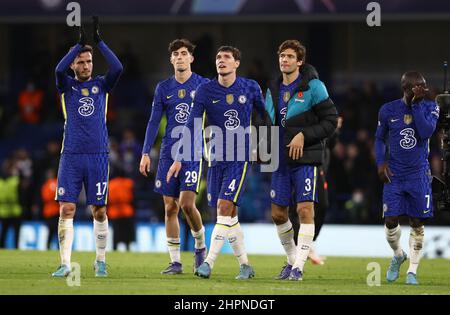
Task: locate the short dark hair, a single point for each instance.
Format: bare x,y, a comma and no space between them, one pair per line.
409,77
180,43
296,46
86,48
233,50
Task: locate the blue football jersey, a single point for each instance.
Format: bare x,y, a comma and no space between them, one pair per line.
230,110
175,99
85,105
286,92
406,131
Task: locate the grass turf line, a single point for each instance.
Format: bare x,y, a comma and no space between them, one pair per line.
29,272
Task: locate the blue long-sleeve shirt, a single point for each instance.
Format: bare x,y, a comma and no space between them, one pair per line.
85,104
175,100
63,66
228,111
404,132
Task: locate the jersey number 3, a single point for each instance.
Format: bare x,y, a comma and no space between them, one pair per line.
183,113
408,141
233,121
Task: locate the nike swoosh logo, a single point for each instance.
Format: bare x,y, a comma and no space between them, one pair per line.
298,100
426,211
99,198
306,194
216,101
169,96
227,194
394,120
74,89
189,185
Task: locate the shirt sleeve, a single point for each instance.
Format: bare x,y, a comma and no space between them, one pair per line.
114,64
425,114
380,138
258,101
62,78
260,118
154,121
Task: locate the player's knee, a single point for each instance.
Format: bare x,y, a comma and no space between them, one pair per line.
67,210
187,206
416,223
225,208
279,217
305,212
391,222
171,209
99,213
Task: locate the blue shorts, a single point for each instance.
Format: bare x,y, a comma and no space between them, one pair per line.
226,180
301,181
188,178
408,196
90,170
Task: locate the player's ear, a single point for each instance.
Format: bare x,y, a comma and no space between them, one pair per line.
238,62
192,58
299,63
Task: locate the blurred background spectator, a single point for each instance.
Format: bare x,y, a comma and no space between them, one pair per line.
50,207
121,209
10,208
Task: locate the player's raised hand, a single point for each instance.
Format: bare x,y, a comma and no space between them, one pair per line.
96,33
296,146
173,170
384,172
144,166
82,36
420,91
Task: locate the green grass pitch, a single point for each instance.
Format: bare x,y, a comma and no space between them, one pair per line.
28,272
